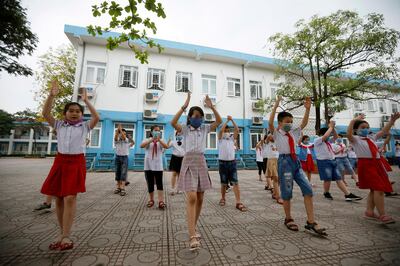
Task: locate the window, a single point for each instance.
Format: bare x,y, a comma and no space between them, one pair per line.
95,136
128,76
239,141
209,85
382,107
255,90
212,140
371,106
274,89
155,79
255,137
95,72
233,87
183,82
147,130
130,130
358,106
395,108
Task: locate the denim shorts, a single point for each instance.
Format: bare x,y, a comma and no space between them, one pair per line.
344,165
228,172
289,170
121,168
353,162
328,170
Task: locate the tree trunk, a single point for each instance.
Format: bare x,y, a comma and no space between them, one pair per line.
326,111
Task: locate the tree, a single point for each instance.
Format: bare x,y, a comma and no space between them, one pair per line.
130,21
16,38
6,123
58,64
315,59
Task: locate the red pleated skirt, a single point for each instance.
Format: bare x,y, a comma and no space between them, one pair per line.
386,164
308,165
372,175
67,176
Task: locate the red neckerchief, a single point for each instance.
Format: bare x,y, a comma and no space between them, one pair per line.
291,146
154,148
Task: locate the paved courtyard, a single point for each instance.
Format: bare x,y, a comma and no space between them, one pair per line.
114,230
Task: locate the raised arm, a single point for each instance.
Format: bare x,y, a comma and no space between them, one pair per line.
335,135
386,129
329,131
307,106
222,130
235,128
272,115
218,119
174,121
146,143
95,116
49,103
350,132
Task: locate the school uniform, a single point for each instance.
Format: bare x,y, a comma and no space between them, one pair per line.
265,156
327,166
272,164
68,174
306,155
342,159
371,172
289,168
177,156
260,160
121,158
352,156
385,163
226,158
194,171
153,166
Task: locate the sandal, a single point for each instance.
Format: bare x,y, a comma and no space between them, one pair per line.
55,245
161,205
194,243
66,245
123,192
117,191
386,219
150,203
371,215
291,225
312,227
267,188
241,207
222,202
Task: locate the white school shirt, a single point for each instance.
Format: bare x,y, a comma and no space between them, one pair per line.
195,139
71,139
226,148
156,163
259,155
361,147
122,146
322,152
337,148
176,149
282,141
271,154
351,154
265,150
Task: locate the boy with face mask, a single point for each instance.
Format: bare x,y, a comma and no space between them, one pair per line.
342,160
227,162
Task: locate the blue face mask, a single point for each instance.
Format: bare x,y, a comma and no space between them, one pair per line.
196,121
179,138
306,142
363,132
155,134
339,140
287,127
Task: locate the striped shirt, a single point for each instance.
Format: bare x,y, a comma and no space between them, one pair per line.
195,139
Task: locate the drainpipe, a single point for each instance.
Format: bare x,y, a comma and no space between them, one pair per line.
81,70
244,106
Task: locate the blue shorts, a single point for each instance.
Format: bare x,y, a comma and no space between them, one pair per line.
289,170
353,162
228,172
328,170
121,167
344,165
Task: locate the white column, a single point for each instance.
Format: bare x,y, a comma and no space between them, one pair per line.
30,141
11,142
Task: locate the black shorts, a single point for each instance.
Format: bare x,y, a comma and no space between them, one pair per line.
175,163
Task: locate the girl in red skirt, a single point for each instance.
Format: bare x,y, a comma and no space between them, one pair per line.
371,172
306,156
68,173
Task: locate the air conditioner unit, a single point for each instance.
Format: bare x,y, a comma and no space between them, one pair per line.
209,118
257,120
213,100
150,114
385,118
151,97
255,106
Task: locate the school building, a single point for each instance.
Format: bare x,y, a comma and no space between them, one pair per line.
141,95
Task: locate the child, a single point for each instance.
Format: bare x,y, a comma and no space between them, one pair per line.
352,156
327,165
306,156
272,167
260,161
68,173
371,173
289,168
122,143
194,178
176,159
153,165
263,146
227,162
340,150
